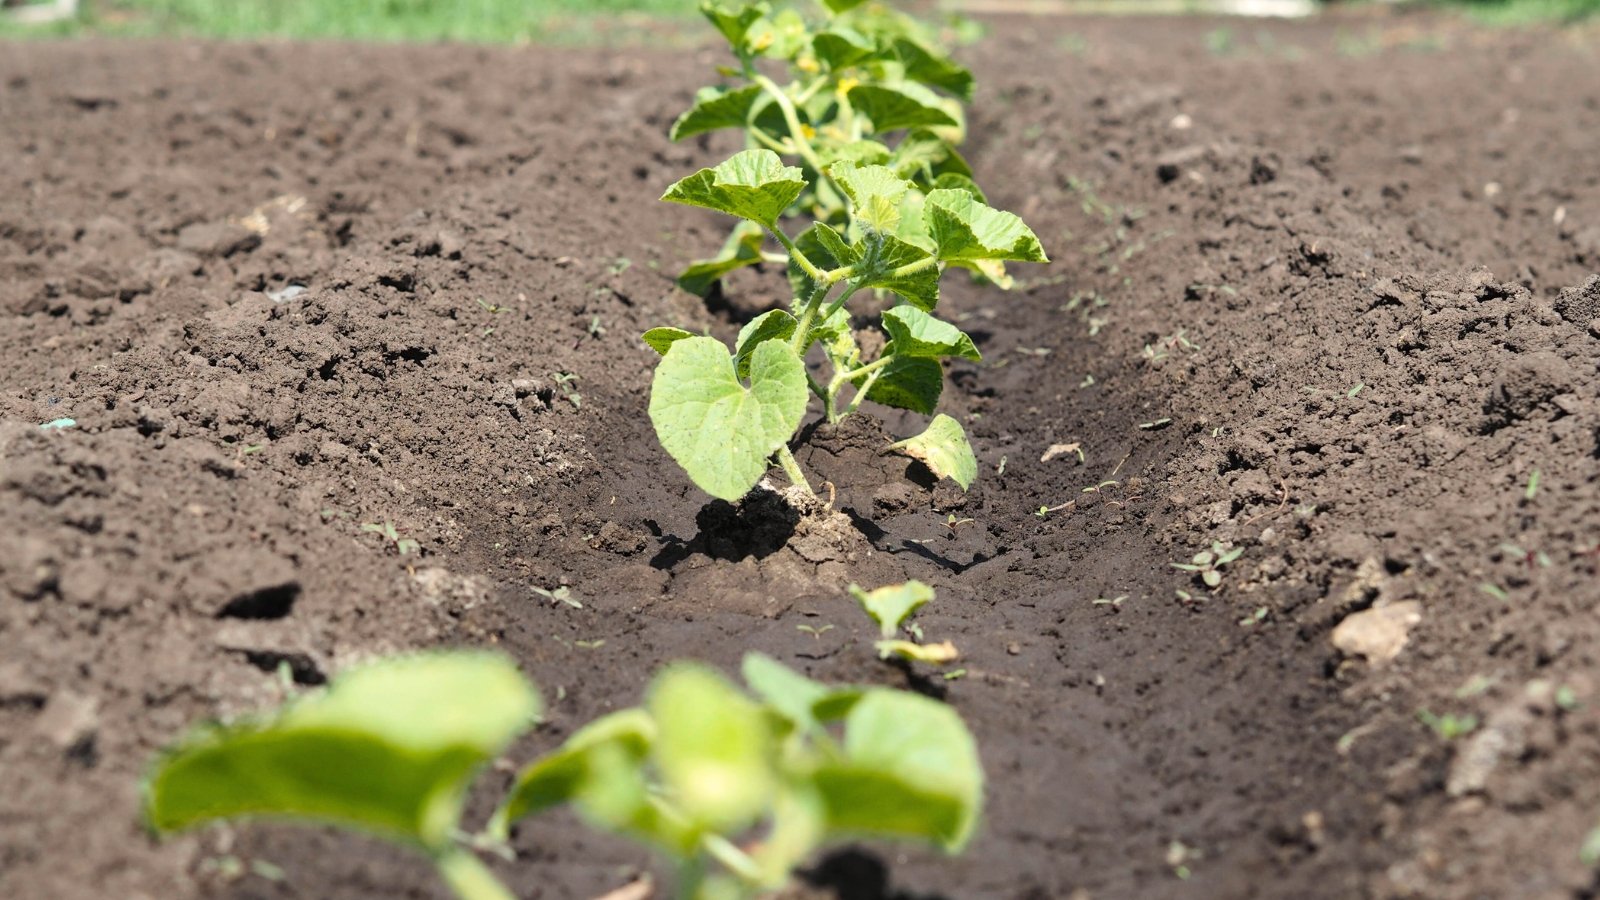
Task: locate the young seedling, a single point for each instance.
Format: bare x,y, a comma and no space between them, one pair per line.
1208,563
388,749
1448,726
891,607
889,214
402,545
738,790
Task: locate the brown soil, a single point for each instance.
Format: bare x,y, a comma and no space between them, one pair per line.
1330,284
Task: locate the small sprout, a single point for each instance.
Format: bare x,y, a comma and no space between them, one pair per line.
1001,468
812,630
1255,618
561,594
1566,697
1494,590
891,606
403,546
491,308
1354,391
620,265
1088,381
565,380
1157,424
1179,855
1208,563
1114,602
953,674
1448,726
595,328
58,424
952,523
589,645
1532,490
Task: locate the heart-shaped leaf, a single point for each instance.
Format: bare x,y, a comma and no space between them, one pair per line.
742,248
753,184
891,605
904,106
962,228
910,770
389,747
715,108
915,333
943,448
719,431
733,21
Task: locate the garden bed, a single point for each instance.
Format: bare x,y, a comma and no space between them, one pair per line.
1319,291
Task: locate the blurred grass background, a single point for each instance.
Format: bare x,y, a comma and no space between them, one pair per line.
518,21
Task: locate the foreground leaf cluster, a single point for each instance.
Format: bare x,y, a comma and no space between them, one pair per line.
861,141
695,772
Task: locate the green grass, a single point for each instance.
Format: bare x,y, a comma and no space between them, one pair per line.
475,21
1519,12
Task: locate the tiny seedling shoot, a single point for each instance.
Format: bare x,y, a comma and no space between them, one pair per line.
871,118
892,607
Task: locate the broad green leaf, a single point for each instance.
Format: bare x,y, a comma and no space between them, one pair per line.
771,325
898,107
733,21
932,68
839,6
891,605
963,228
911,770
389,748
718,430
862,153
616,794
909,382
841,47
915,333
752,184
875,193
779,37
913,225
715,108
894,265
943,447
714,748
661,339
933,654
742,248
561,776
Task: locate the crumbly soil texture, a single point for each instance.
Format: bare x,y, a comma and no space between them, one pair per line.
1323,292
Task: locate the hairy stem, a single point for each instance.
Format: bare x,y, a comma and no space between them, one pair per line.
792,469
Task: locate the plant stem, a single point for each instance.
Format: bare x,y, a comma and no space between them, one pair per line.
737,861
468,877
792,469
808,315
861,394
833,307
805,263
791,118
867,369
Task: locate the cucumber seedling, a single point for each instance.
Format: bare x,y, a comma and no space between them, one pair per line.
885,218
891,607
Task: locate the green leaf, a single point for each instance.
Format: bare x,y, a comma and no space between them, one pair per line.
661,339
915,333
958,182
839,6
780,37
905,106
563,775
963,228
909,382
943,447
715,108
742,248
826,248
911,770
388,748
862,153
891,605
786,691
932,68
733,22
875,193
752,184
841,47
771,325
714,748
720,432
883,263
922,153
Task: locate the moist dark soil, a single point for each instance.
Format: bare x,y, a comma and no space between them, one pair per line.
1325,292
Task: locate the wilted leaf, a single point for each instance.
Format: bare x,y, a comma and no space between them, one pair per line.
943,448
